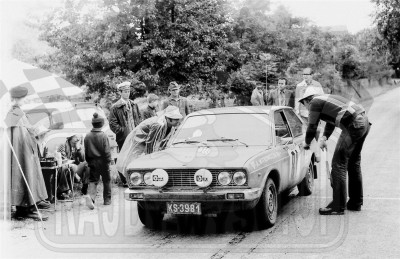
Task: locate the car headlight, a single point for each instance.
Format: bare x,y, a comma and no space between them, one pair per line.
159,177
147,178
203,178
136,178
224,178
239,178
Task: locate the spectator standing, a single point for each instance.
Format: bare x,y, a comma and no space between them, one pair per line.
25,162
300,90
281,96
176,100
151,135
124,117
98,157
151,109
257,96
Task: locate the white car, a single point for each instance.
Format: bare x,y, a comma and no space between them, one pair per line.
65,119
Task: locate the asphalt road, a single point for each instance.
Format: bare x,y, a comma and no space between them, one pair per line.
115,231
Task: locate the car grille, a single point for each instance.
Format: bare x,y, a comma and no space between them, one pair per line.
185,178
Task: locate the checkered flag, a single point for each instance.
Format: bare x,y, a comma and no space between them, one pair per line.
42,85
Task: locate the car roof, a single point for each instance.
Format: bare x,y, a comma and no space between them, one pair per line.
239,110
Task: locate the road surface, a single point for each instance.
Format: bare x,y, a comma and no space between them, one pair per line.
115,231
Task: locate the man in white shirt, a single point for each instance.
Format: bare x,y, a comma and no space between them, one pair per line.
301,88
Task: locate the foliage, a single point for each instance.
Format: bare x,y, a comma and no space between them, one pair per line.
387,18
213,48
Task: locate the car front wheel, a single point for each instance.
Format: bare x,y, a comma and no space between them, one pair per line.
149,218
267,207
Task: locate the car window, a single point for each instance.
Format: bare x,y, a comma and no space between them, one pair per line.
294,122
281,126
252,129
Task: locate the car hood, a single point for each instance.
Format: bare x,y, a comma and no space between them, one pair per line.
198,157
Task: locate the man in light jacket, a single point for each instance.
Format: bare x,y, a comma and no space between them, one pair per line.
257,98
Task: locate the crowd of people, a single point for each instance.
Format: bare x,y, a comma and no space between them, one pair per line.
145,131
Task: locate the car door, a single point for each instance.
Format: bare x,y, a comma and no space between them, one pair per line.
285,141
297,129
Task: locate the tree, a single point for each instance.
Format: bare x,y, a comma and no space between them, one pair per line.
387,19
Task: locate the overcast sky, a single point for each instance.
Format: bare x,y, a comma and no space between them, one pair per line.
354,14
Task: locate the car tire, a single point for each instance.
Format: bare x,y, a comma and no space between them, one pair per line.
267,206
150,218
306,186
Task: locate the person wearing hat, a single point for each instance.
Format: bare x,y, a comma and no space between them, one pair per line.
25,163
98,157
124,116
351,118
151,135
307,82
176,100
151,109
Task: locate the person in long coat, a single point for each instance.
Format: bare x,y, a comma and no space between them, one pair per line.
25,161
151,135
124,117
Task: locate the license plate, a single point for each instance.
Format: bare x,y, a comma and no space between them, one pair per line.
184,208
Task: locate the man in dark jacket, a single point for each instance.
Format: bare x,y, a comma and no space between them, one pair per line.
98,157
151,109
124,117
124,114
337,111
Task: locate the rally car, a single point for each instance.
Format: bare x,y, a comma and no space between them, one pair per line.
223,160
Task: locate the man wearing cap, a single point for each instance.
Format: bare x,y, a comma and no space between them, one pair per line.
176,100
151,109
256,98
340,112
25,162
124,116
307,82
151,135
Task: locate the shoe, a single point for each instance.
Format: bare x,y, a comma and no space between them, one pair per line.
43,205
89,202
35,216
64,196
330,206
107,202
330,211
353,207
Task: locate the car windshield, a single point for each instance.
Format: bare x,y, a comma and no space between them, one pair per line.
243,129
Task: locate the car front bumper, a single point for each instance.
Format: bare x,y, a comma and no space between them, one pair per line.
212,201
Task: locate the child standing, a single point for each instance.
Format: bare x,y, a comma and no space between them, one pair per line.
98,157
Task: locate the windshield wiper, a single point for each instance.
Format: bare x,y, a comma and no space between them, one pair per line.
227,140
186,142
